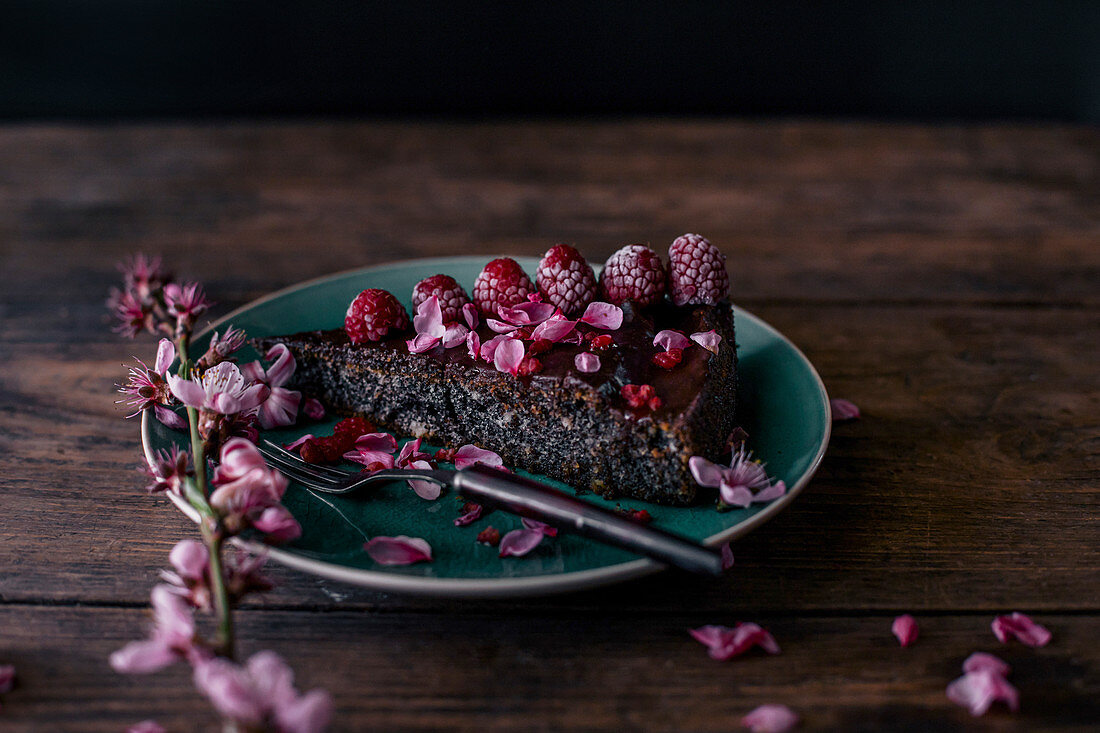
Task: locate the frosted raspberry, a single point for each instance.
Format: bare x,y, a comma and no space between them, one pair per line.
502,283
634,273
373,314
696,271
450,294
565,279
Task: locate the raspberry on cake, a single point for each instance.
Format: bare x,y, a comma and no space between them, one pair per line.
633,273
565,280
600,407
502,284
696,271
450,294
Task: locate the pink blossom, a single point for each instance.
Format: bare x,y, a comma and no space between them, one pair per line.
171,639
725,642
603,315
843,410
400,550
770,719
709,340
191,560
132,314
530,313
248,493
277,524
743,483
147,388
168,470
428,490
509,355
143,275
280,407
1022,627
221,389
185,302
669,339
261,694
982,684
905,629
586,362
469,455
221,347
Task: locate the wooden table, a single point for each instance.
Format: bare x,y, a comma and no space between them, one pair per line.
946,279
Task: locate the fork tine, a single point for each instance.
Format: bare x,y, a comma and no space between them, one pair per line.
294,470
296,460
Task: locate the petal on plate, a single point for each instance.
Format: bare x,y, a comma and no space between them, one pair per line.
399,550
376,441
468,455
538,526
705,472
727,556
519,542
905,629
298,443
472,515
283,367
313,409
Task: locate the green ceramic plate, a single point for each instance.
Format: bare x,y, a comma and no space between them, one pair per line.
783,407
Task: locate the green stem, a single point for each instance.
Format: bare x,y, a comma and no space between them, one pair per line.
197,452
224,614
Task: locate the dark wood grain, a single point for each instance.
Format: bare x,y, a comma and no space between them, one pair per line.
947,279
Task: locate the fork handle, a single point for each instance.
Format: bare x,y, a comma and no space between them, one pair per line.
527,498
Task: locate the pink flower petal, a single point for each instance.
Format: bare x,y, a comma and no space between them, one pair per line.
509,355
977,691
146,726
770,719
489,348
669,339
586,362
455,335
376,442
407,451
187,391
230,690
278,524
554,329
400,550
7,677
313,409
238,457
471,516
422,342
280,408
709,340
983,662
142,657
367,457
428,490
1021,627
428,320
573,337
469,314
538,526
308,713
843,410
905,629
770,493
254,371
705,473
603,315
283,367
526,314
468,455
500,326
190,558
299,442
735,494
473,344
724,642
519,542
166,354
170,418
727,556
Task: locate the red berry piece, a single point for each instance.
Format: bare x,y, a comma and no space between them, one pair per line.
637,396
444,455
332,447
502,283
311,452
489,536
696,271
668,359
634,273
565,280
373,314
641,516
530,365
602,342
654,403
444,287
354,426
539,346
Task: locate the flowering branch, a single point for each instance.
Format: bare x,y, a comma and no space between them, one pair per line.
223,404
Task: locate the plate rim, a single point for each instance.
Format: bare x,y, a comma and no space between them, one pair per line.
494,587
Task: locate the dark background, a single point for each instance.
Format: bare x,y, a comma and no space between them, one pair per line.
908,60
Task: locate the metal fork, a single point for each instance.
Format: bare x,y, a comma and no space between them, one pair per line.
508,492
